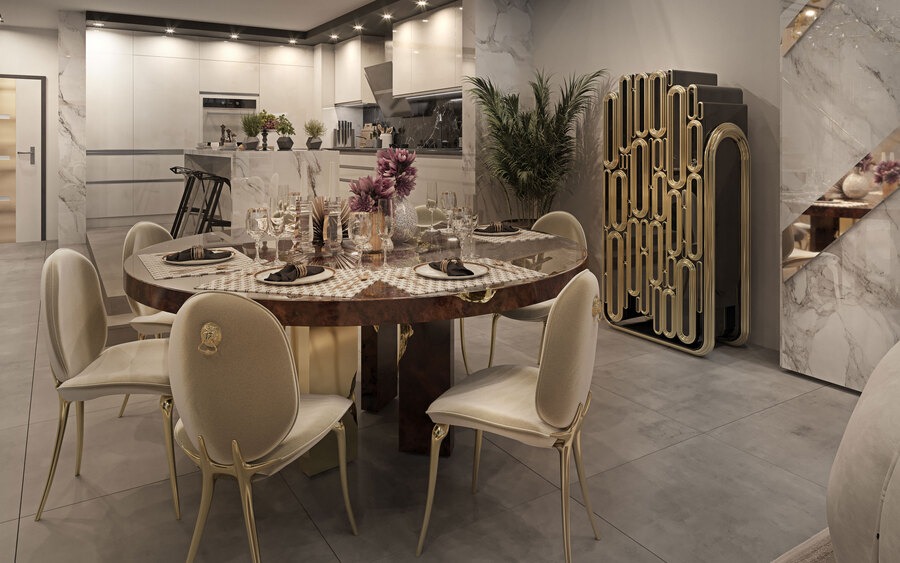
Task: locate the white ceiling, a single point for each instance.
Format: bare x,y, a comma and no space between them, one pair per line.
300,15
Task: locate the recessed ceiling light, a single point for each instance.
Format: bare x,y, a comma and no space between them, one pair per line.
97,24
357,27
170,30
333,36
292,41
386,16
425,20
234,35
421,3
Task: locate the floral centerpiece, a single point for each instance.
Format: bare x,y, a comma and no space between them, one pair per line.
887,173
397,165
367,191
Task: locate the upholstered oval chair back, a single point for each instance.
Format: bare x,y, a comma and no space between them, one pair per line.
140,236
863,501
561,224
232,375
74,317
570,343
423,216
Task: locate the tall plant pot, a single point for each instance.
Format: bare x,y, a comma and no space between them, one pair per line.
250,143
313,143
285,143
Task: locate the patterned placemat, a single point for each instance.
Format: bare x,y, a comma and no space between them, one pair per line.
498,273
521,236
344,283
162,271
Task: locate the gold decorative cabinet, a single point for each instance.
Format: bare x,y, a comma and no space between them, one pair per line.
676,220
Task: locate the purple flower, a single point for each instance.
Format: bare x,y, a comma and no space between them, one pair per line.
367,191
887,172
396,164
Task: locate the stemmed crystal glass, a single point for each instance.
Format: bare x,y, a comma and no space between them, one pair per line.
463,225
257,225
282,222
447,203
386,225
360,232
431,202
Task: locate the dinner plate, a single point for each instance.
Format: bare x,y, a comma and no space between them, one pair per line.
321,276
201,262
500,234
427,271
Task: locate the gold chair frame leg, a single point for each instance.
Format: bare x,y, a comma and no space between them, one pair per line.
208,478
579,466
564,451
462,344
494,319
165,405
244,475
341,436
60,432
79,442
124,404
437,436
476,462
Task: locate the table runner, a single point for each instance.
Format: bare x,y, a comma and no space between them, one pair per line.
344,284
521,236
162,271
498,273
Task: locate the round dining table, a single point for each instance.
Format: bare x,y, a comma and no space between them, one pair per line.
424,366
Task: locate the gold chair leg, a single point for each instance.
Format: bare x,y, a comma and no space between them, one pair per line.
341,435
245,485
494,319
79,442
165,405
206,495
564,490
479,434
124,404
60,432
541,346
579,466
462,343
437,435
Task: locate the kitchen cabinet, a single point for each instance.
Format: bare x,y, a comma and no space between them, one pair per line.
350,58
427,52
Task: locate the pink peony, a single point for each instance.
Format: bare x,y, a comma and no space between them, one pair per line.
367,191
887,172
396,164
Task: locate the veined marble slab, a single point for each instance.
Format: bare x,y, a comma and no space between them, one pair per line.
71,130
256,175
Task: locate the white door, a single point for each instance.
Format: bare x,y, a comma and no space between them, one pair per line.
20,160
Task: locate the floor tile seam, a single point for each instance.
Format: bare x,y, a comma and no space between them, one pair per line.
664,448
667,417
308,515
27,437
768,462
762,410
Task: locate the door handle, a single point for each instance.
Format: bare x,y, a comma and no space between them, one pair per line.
28,152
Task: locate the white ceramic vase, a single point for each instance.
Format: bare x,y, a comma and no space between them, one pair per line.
856,185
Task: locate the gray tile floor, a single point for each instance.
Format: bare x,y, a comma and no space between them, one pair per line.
718,459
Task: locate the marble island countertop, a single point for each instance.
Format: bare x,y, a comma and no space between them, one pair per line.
439,152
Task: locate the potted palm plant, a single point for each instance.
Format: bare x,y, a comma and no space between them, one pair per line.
251,125
531,151
284,127
314,128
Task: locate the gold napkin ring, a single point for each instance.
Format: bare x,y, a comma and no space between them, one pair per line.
445,263
197,252
497,226
301,270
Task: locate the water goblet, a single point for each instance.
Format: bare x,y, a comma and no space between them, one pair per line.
386,225
431,202
447,204
257,224
361,232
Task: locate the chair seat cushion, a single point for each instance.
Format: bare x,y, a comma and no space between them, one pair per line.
537,312
316,416
156,323
499,400
134,367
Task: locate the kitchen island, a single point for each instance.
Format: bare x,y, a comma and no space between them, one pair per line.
256,175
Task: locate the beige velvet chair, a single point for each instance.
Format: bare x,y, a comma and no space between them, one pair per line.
423,217
863,498
234,379
147,321
74,324
561,224
541,406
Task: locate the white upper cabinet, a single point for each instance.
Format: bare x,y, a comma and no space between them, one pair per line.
428,52
350,58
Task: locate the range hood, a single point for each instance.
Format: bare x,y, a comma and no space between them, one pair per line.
381,80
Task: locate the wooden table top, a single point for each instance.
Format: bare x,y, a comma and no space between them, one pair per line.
560,258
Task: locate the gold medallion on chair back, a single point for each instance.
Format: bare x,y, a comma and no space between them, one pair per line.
74,317
232,375
140,236
570,345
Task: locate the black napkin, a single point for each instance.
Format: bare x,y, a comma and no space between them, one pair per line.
496,227
291,273
452,267
188,254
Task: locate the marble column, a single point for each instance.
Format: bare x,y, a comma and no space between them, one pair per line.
841,312
71,129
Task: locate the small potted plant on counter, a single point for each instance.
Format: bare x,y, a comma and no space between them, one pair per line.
314,128
251,125
284,127
268,122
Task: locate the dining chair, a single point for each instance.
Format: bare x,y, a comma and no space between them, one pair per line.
74,324
542,406
423,217
561,224
147,321
241,413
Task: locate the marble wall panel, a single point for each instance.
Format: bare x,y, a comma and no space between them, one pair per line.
71,199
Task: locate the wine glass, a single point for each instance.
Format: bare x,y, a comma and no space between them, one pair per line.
386,225
463,225
447,204
257,225
431,202
360,232
298,205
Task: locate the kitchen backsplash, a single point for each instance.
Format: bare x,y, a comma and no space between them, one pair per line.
438,123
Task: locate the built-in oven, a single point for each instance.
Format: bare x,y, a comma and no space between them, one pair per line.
223,114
